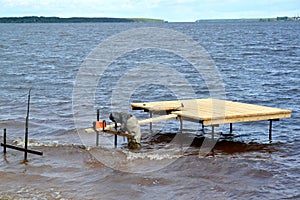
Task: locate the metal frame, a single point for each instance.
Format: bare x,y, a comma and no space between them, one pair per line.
213,126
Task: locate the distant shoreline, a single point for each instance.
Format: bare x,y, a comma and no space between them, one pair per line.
277,19
36,19
42,19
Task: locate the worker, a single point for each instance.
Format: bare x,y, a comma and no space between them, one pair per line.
129,123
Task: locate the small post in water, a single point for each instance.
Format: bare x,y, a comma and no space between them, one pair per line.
97,132
26,127
270,130
116,140
4,141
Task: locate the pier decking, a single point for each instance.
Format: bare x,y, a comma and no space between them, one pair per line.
212,112
208,112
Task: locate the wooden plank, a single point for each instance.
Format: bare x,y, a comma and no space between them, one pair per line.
226,115
214,111
219,120
108,129
90,130
157,106
118,133
158,119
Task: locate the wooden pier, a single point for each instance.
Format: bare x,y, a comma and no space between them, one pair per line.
212,112
208,112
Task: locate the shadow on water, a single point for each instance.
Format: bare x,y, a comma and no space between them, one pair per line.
226,145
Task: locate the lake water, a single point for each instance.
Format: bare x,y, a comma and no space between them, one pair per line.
257,62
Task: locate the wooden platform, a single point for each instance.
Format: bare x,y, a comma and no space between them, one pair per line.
213,111
208,112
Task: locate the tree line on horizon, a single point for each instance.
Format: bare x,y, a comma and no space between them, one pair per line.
36,19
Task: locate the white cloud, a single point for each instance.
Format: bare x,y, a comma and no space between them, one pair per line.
15,3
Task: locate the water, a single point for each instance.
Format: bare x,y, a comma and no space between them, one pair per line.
258,63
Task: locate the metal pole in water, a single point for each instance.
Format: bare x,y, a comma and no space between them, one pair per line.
4,141
116,140
26,127
181,125
270,130
151,114
97,133
116,137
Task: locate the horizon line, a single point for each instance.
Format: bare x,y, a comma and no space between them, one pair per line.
200,19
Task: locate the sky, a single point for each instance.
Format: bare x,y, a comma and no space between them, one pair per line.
169,10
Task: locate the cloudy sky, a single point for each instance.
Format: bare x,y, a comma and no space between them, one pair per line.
170,10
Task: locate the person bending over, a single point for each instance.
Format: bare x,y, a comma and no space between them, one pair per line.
129,123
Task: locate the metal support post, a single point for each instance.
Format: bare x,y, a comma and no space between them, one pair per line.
230,126
26,127
116,137
4,141
181,125
97,132
151,114
25,149
213,131
202,125
97,138
270,130
116,141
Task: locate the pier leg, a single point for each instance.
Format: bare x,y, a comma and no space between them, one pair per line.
270,130
213,132
26,127
230,127
151,114
97,138
97,133
181,125
116,141
26,143
4,141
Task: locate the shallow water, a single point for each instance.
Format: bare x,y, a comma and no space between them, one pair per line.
258,63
